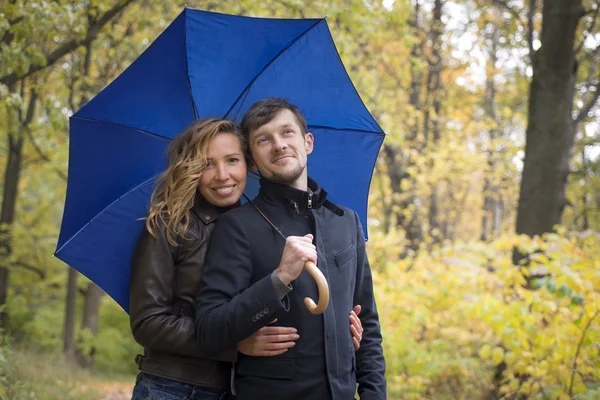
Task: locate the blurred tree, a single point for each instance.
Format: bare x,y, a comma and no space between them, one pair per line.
553,119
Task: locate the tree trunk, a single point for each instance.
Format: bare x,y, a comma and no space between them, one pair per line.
497,214
90,321
72,288
70,308
9,202
550,128
490,188
17,124
585,196
434,86
412,225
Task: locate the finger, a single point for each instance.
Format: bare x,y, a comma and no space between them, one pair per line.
355,334
279,346
308,253
300,239
280,338
272,322
277,330
301,247
356,344
302,250
356,322
357,309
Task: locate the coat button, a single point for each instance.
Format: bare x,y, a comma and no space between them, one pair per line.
254,318
265,310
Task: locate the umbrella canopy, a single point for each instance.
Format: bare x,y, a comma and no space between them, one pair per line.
204,65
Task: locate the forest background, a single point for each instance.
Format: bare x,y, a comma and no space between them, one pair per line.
484,211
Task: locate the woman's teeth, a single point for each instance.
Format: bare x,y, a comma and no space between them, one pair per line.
225,190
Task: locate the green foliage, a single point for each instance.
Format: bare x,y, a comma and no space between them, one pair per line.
454,309
115,348
29,374
456,316
40,321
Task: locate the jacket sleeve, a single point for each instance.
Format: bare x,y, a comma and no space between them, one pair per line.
229,307
154,323
370,363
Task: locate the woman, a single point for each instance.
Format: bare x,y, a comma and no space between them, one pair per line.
206,175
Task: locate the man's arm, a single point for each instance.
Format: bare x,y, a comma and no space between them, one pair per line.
228,308
370,363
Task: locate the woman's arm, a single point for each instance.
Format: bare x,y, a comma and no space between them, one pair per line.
155,323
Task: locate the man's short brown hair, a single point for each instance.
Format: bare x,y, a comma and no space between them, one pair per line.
264,111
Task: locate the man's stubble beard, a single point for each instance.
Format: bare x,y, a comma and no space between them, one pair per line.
288,178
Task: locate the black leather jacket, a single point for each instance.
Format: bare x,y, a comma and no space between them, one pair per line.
164,284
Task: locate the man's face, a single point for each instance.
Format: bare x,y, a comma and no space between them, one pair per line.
280,151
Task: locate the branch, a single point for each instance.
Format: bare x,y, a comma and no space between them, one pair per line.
511,10
8,35
43,156
574,368
588,106
24,128
24,122
71,45
590,54
30,109
591,27
31,268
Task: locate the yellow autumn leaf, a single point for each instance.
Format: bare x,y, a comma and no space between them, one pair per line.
485,352
497,355
510,358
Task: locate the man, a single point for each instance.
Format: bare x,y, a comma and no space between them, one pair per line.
253,276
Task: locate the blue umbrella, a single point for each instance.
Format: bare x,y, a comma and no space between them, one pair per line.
204,65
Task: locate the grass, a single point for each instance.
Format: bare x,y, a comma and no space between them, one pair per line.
30,374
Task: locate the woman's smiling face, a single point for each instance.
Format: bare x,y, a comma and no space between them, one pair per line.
224,179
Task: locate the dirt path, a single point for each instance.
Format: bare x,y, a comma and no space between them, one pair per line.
114,390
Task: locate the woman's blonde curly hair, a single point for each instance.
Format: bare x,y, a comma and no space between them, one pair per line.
177,186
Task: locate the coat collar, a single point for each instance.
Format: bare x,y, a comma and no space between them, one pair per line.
296,199
207,212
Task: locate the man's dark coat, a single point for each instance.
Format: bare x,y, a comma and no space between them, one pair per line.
237,297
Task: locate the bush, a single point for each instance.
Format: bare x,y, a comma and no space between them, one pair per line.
463,322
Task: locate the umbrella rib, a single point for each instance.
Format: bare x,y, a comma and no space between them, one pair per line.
187,70
371,180
246,90
104,209
345,129
166,139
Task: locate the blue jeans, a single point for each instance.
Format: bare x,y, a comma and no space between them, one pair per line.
151,387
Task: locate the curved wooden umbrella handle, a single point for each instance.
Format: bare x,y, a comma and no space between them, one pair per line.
321,285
